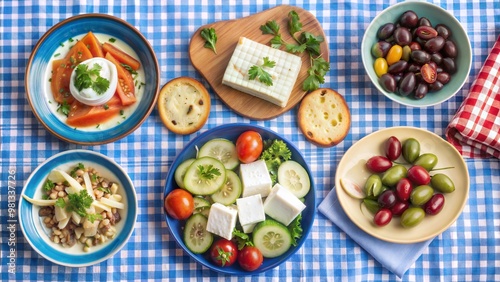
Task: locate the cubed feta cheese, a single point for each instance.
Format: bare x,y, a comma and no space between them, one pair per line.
284,74
250,210
282,205
255,179
248,228
222,220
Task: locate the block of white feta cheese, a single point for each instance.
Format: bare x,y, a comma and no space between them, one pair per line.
255,179
284,74
222,220
282,205
250,210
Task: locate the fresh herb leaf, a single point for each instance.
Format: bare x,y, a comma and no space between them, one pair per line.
79,202
129,68
210,38
112,40
105,190
60,203
105,106
316,74
45,197
274,154
73,171
64,108
294,24
277,41
294,48
271,27
295,229
100,85
93,177
208,172
242,239
312,42
48,185
93,217
259,72
84,75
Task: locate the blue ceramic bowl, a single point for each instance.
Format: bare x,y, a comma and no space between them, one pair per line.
436,15
231,132
38,236
78,25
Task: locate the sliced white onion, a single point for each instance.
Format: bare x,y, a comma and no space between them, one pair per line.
41,203
352,189
111,203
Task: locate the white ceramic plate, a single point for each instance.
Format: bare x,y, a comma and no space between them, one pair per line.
38,236
352,166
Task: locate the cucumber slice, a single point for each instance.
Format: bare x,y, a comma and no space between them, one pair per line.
221,149
199,184
200,202
181,171
230,191
293,176
196,237
272,238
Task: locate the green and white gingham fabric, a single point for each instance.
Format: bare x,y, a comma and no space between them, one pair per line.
468,251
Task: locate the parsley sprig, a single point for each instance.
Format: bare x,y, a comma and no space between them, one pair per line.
210,38
256,71
90,78
305,42
208,172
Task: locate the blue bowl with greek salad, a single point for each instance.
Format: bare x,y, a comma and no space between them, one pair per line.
239,199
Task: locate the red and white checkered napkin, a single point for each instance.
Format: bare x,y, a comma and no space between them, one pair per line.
475,128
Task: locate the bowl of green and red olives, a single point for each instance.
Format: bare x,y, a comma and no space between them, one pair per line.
402,184
416,54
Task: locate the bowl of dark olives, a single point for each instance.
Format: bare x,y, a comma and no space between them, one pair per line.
416,54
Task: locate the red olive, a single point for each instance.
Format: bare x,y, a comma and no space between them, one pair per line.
392,148
399,207
378,164
434,205
383,217
403,189
418,175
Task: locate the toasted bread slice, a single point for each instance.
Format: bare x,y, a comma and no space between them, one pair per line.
184,105
324,117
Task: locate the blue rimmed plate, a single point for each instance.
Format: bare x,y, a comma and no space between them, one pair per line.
38,236
38,65
231,132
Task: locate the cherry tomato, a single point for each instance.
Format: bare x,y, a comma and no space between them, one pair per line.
250,258
383,217
179,204
378,164
224,252
419,175
429,74
249,146
392,148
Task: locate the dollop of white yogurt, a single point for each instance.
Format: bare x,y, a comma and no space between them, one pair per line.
89,96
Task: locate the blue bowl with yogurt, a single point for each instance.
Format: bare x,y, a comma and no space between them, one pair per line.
56,42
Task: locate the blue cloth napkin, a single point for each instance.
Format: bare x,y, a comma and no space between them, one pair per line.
397,258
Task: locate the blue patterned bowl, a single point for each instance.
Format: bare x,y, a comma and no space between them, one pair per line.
231,132
38,64
436,15
38,236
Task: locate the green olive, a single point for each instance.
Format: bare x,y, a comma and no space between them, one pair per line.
412,217
411,150
371,205
421,194
373,185
442,183
427,161
393,175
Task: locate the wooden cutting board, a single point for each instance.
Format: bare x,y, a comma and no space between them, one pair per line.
212,66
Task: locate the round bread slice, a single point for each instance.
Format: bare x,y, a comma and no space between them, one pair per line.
184,105
324,117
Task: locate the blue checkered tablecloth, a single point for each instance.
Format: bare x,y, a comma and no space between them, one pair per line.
468,251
